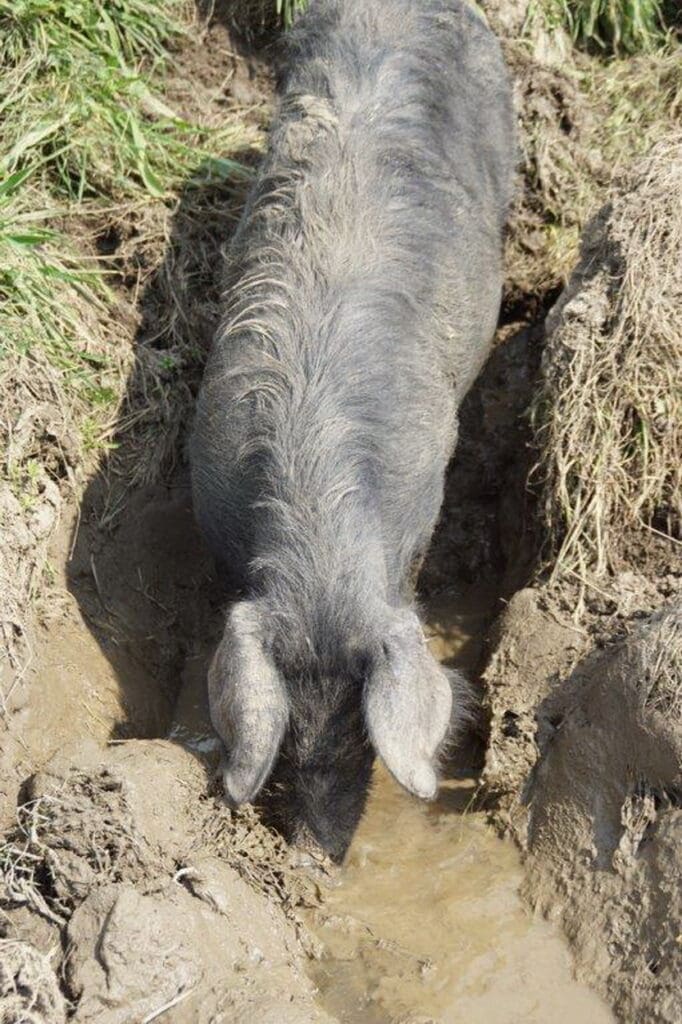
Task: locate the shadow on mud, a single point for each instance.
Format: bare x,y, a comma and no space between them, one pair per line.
142,579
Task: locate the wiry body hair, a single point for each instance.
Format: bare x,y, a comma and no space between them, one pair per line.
363,290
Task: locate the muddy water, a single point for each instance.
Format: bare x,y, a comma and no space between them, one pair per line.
425,922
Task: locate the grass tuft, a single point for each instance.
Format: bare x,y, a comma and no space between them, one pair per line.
614,27
288,9
609,410
83,128
90,141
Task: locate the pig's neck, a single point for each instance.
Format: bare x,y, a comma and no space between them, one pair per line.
320,562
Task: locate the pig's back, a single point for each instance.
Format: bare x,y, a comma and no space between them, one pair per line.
365,277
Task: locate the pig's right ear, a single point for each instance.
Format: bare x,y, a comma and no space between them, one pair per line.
408,706
248,703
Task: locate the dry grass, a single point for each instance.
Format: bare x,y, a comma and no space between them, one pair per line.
20,865
662,684
80,834
68,841
582,121
608,414
29,993
260,855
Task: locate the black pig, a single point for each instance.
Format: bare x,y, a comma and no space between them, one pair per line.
364,289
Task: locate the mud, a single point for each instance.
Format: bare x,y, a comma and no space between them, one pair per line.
427,923
129,849
126,611
121,843
424,921
584,764
147,875
125,846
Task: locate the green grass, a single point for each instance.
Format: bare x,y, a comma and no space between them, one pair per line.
72,94
614,26
288,9
83,127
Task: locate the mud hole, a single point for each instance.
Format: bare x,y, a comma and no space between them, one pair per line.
141,891
130,893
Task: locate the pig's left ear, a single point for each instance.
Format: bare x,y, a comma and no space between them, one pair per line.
408,706
248,703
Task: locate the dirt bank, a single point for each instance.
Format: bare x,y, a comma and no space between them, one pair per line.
127,851
584,765
583,684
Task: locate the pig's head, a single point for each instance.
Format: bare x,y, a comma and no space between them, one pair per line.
312,727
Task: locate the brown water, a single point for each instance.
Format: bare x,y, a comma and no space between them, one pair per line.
424,922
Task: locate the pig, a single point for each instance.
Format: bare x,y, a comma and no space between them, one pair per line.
363,290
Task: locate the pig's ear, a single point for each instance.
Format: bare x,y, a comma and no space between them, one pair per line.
248,703
408,704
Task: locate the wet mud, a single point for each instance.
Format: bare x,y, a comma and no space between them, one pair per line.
143,898
427,923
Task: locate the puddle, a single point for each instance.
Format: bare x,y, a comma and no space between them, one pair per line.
426,923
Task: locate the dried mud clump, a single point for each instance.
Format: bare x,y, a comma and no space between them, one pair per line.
605,819
167,902
533,649
29,993
584,767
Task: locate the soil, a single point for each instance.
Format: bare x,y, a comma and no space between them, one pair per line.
139,857
123,844
584,678
131,893
583,765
